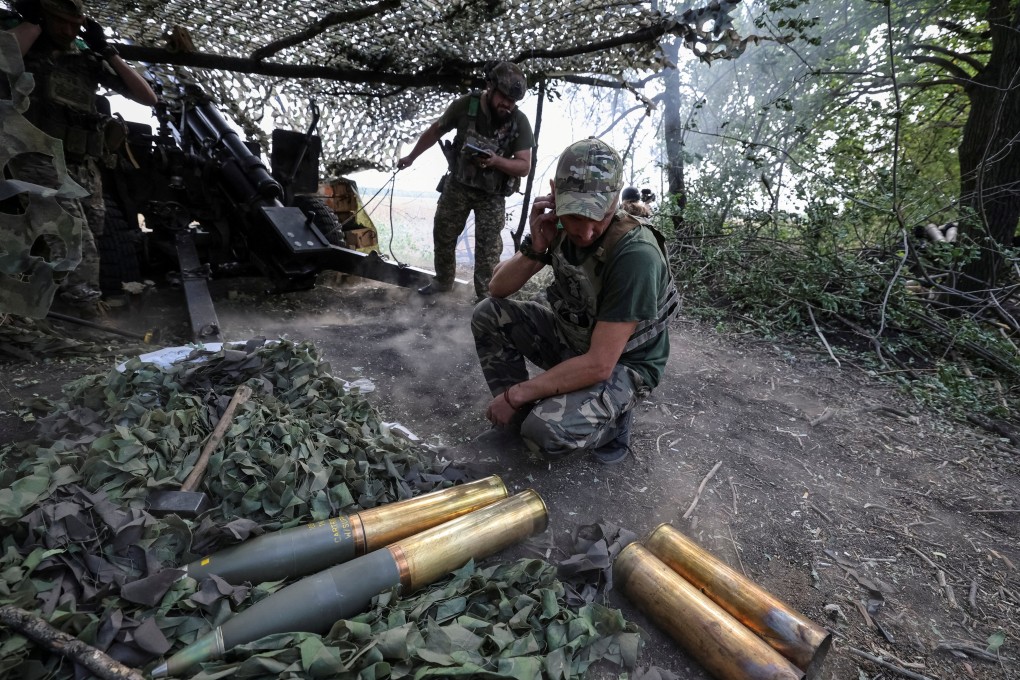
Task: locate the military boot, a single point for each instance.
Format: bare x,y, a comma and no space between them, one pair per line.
616,449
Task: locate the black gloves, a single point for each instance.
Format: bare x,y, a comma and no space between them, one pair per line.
95,38
30,10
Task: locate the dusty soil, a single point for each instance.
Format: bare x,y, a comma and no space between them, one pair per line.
833,492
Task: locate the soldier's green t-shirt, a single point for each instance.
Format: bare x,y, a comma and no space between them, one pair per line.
634,279
458,109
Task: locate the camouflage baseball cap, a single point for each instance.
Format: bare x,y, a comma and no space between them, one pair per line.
588,179
509,79
74,9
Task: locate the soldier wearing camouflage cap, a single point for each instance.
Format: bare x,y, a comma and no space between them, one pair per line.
602,340
69,57
489,155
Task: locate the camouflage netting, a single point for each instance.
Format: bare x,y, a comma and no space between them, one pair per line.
80,551
381,72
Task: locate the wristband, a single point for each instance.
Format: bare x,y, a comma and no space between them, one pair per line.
506,396
527,251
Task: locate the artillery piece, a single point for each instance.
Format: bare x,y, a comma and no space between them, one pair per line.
211,205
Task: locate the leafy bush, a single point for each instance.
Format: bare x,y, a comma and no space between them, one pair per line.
866,302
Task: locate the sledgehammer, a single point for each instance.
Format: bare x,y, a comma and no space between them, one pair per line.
187,502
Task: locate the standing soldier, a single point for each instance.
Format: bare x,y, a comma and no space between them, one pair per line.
69,57
489,154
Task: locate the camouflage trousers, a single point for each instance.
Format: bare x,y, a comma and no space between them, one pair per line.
38,169
455,204
507,333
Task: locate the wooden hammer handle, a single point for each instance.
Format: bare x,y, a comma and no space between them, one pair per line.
241,395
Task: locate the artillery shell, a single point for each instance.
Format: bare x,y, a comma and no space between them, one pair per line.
316,602
316,546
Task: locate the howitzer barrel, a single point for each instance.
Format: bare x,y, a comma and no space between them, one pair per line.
795,637
320,545
247,177
720,643
316,602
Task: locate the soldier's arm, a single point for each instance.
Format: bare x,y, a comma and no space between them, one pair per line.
136,86
26,33
518,165
431,135
597,364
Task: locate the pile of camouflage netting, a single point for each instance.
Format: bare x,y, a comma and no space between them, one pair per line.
80,551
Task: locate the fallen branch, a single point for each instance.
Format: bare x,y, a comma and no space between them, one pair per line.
950,595
995,426
45,635
825,416
888,666
819,511
701,487
964,647
821,336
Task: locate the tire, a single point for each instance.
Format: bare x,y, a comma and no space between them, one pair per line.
323,218
118,249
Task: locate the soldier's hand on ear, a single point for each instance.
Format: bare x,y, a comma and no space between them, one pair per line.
95,37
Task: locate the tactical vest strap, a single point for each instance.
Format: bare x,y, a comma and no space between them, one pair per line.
489,180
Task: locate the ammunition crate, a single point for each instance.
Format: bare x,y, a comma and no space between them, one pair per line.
360,238
339,196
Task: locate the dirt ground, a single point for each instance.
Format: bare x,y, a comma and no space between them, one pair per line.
890,525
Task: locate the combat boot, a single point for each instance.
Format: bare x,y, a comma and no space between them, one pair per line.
616,449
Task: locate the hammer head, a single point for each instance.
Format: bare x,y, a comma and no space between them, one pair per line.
181,503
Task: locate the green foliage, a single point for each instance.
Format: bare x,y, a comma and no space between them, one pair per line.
808,282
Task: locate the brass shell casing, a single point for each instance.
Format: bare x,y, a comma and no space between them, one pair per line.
385,524
425,557
795,637
720,643
313,547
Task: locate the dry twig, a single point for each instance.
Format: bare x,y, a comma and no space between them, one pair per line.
819,511
45,635
821,336
701,487
736,550
888,666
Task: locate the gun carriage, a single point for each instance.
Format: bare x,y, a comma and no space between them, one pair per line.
212,207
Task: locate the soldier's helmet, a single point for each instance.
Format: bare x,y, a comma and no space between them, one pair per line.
589,177
630,194
74,9
509,79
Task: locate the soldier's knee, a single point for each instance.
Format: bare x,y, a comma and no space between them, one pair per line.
548,438
483,317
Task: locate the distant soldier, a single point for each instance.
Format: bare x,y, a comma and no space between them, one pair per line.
631,202
490,153
602,340
70,58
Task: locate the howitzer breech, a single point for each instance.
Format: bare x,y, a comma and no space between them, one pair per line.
319,545
795,637
316,602
720,643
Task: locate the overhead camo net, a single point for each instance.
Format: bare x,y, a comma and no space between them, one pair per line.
383,71
80,551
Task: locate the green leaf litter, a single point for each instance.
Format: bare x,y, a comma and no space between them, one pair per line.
80,550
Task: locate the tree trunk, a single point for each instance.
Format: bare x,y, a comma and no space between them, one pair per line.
990,150
673,133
